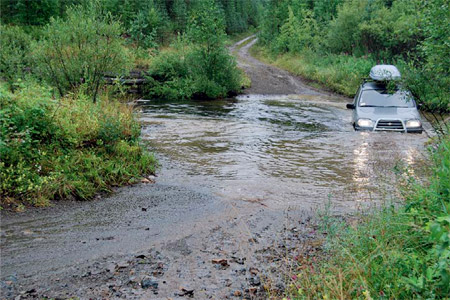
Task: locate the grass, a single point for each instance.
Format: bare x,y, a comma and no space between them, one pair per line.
393,253
65,148
338,73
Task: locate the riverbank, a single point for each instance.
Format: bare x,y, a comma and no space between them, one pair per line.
66,148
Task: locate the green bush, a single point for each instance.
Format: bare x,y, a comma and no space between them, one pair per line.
70,147
184,72
199,65
144,28
81,49
15,60
212,68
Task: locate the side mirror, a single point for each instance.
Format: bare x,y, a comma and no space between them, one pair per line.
351,106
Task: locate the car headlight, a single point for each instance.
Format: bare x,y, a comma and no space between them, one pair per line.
365,123
413,124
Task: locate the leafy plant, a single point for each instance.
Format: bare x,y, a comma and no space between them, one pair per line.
70,147
198,65
81,49
15,60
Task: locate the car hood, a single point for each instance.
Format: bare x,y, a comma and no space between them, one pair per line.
375,113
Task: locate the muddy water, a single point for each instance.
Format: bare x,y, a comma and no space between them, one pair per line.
279,150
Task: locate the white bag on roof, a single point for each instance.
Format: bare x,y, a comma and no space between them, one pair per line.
384,72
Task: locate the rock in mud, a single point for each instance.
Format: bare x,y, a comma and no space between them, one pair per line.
238,260
148,180
149,283
220,261
254,281
253,271
186,291
122,265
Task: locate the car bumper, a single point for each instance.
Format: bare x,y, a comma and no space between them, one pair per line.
414,130
408,130
389,124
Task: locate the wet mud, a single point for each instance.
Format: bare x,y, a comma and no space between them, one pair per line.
240,184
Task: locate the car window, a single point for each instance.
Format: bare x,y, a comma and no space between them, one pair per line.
384,98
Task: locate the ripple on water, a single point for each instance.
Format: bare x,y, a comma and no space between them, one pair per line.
287,149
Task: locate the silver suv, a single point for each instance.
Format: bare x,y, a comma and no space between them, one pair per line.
378,107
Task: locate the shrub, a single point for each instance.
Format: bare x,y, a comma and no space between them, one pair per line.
15,60
213,68
199,65
70,147
170,75
81,48
143,29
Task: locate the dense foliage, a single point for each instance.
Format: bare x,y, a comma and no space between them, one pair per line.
81,48
68,147
76,43
15,57
198,65
153,20
412,34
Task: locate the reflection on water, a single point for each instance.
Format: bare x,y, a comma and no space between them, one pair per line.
283,150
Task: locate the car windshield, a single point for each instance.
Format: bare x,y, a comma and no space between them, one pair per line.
385,98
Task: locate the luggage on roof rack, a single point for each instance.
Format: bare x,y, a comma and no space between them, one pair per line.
384,73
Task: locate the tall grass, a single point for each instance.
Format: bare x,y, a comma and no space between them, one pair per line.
70,147
339,73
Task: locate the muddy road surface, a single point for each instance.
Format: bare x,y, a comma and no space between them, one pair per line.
240,183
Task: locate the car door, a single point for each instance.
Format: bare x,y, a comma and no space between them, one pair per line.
355,103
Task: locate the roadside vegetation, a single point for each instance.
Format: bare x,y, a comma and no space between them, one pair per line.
393,253
66,148
67,133
400,251
337,42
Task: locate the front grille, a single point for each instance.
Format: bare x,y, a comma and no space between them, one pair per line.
390,125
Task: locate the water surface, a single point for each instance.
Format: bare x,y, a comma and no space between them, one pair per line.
281,150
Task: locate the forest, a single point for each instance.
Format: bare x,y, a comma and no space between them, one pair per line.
68,133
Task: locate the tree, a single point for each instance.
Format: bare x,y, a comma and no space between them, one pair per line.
81,49
180,15
212,66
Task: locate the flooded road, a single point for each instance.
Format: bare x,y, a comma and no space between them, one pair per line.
281,150
240,180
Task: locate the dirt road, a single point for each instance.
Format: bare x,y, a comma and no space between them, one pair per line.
240,183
